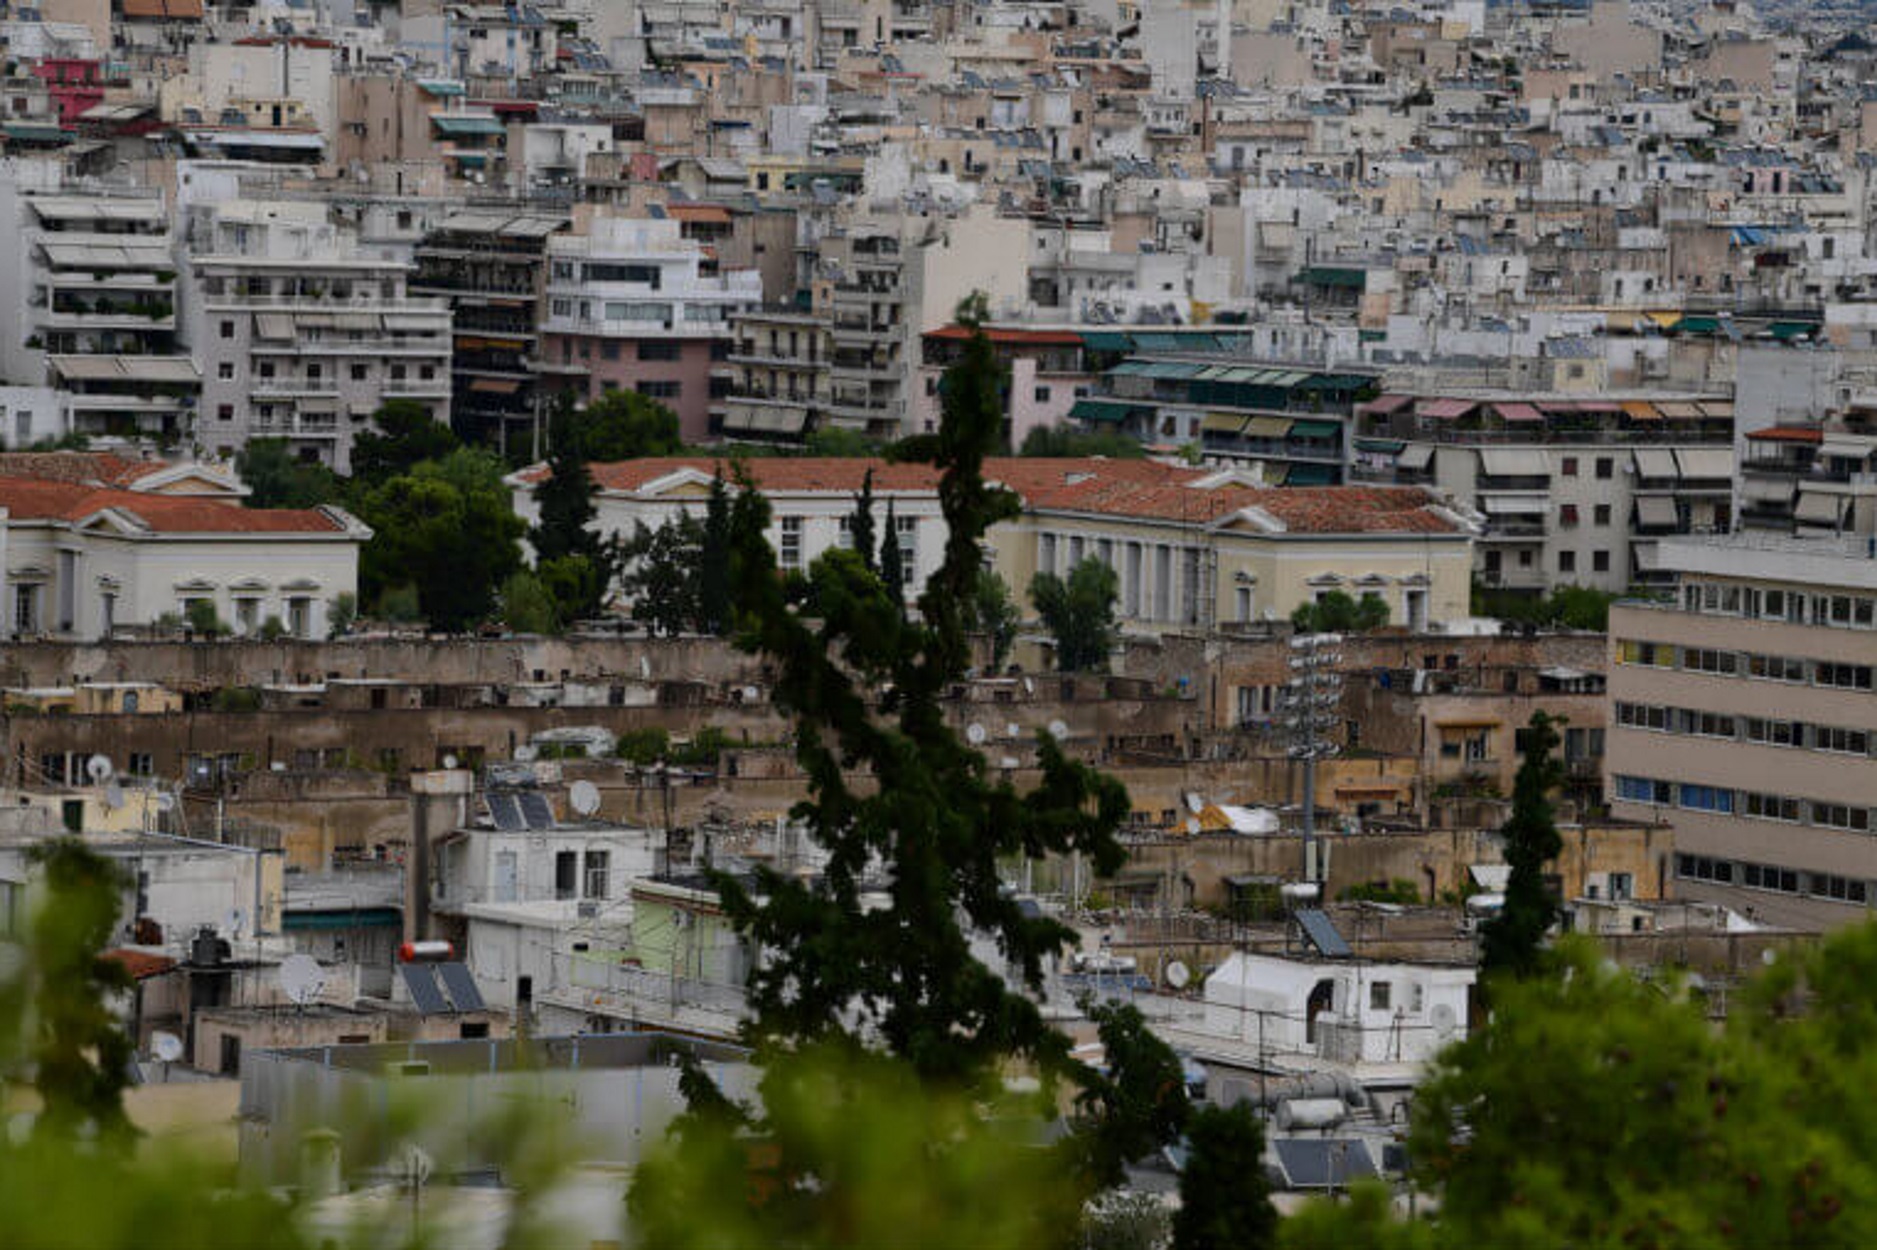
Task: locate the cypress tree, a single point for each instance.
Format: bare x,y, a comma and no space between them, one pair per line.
1513,941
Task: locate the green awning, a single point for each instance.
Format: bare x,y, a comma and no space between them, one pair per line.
448,125
1107,341
1133,369
1102,410
1785,330
1699,325
359,918
1315,429
1371,336
439,87
1381,446
1335,276
472,158
1310,475
36,132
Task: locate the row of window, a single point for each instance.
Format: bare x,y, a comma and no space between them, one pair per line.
1794,607
1773,877
1728,802
1766,731
1745,664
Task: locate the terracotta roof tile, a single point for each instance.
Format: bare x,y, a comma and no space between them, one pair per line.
142,965
29,499
96,468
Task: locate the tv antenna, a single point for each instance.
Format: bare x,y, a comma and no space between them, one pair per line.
301,979
584,797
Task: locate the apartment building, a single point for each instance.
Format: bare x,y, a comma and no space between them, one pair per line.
93,312
776,376
1743,711
1573,490
301,337
628,308
490,266
1812,479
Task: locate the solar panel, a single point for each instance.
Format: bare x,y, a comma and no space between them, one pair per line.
1322,933
423,987
534,809
462,987
506,814
1323,1162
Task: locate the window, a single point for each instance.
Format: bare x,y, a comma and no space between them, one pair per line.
658,349
1706,724
1041,394
659,389
359,373
225,370
1600,562
224,412
1767,877
1642,716
791,553
1701,868
1777,733
1380,995
1654,654
1845,676
1776,668
1770,807
228,329
566,864
595,875
1707,799
1642,790
1839,739
1706,660
300,616
26,609
1606,467
1841,816
1601,515
1567,515
1567,561
1844,889
908,528
1568,467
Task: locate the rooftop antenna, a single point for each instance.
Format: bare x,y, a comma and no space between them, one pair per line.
584,797
301,979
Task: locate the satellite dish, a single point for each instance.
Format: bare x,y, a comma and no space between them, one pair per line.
449,761
1178,975
1446,1023
525,753
1013,730
99,769
301,978
1058,730
584,797
975,735
113,795
166,1046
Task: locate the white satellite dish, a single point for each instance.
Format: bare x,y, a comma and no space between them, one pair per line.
1446,1023
975,735
1029,687
99,769
1178,975
525,753
113,795
645,668
1058,730
166,1046
1192,825
449,761
584,797
301,978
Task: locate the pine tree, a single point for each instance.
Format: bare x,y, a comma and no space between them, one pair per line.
933,829
1513,941
892,565
1225,1202
713,584
863,522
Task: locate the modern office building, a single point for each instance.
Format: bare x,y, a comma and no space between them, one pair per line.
1743,712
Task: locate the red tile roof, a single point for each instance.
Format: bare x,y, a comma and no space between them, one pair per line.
29,499
1788,434
94,468
1145,489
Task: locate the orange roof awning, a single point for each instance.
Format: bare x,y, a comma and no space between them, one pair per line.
495,386
1640,410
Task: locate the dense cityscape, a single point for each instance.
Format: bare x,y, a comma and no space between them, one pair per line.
1113,625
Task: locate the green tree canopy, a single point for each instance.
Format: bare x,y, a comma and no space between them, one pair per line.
277,479
527,605
448,529
622,425
1513,941
714,593
1138,1103
997,616
1338,612
1225,1201
1079,613
1061,442
861,526
403,434
661,579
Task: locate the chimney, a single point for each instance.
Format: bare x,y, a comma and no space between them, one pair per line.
439,805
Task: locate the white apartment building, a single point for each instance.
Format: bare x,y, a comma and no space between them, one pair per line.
302,337
1744,714
91,309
